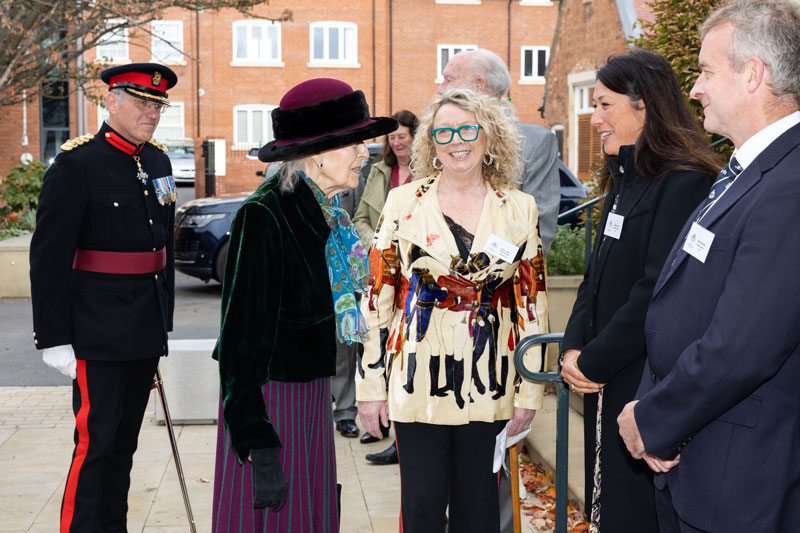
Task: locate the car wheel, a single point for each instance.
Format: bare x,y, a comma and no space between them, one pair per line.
219,262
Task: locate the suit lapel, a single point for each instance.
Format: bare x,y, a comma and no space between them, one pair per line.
629,199
746,181
426,228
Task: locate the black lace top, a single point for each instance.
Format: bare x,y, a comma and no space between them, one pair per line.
463,237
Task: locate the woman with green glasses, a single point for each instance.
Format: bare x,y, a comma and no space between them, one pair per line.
457,278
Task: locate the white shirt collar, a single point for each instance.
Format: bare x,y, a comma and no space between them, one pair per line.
759,142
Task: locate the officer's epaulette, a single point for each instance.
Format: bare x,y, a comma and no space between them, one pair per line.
77,141
158,145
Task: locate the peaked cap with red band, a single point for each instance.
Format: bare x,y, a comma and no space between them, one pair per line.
148,81
321,114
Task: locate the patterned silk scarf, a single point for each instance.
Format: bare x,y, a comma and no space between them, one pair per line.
347,267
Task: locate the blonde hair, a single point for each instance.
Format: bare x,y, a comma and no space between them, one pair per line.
497,120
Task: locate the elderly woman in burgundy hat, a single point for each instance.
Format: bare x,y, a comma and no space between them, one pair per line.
294,264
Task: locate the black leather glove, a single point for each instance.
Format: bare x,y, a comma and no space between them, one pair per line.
270,487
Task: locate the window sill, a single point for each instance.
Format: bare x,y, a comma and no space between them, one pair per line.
470,2
544,3
245,147
329,64
531,81
179,62
257,63
113,61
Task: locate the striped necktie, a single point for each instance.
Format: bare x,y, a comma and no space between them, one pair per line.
724,180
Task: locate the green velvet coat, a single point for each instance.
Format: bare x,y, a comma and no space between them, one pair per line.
277,319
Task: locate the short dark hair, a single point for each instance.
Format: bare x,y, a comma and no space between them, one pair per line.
409,120
671,139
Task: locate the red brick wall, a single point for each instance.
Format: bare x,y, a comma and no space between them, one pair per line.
587,34
418,26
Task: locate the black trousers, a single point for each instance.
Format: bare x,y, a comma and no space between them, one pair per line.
109,400
448,466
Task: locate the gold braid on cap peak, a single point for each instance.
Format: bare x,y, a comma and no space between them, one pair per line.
77,141
158,145
148,96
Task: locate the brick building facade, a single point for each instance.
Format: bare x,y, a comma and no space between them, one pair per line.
393,50
588,32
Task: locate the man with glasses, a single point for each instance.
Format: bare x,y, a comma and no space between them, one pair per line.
102,286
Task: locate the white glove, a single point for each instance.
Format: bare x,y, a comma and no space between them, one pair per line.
62,358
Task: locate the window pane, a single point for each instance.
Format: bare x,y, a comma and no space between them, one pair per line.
333,43
241,42
55,105
319,45
445,56
241,126
258,126
541,65
272,34
348,45
528,64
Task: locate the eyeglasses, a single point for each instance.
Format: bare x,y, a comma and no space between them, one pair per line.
467,132
147,105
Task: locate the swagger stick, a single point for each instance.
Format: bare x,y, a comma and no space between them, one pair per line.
513,461
168,421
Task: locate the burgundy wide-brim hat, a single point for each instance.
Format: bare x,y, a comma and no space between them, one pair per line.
321,114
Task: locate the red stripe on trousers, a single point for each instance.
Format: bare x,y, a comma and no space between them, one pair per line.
82,426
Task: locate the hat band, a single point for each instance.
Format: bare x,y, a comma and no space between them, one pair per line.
356,126
144,95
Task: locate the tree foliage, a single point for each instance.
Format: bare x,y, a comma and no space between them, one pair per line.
44,40
675,33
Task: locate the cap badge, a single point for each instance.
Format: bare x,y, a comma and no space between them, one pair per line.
157,79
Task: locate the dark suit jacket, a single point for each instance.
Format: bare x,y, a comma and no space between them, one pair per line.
277,318
607,323
92,199
722,384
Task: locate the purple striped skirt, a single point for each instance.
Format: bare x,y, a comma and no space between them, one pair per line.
303,417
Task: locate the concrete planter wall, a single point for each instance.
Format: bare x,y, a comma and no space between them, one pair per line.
15,281
561,294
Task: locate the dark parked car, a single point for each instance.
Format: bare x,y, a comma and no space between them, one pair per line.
202,226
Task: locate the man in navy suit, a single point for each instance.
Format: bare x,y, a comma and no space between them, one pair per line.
718,409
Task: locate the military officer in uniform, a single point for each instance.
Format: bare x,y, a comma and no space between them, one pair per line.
102,286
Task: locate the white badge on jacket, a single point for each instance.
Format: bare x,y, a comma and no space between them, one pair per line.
698,242
614,225
501,248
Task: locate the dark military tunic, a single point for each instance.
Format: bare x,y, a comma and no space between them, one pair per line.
92,199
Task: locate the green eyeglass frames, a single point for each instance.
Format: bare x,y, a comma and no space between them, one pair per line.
467,132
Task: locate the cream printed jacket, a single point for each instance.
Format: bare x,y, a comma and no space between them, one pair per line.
443,331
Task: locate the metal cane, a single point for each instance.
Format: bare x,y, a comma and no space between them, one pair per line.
168,421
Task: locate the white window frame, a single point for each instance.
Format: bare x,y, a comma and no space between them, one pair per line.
538,3
175,108
534,79
465,2
246,144
326,61
451,48
122,35
579,85
163,40
253,59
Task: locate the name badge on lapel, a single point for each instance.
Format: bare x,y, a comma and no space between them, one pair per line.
614,225
165,190
698,242
500,248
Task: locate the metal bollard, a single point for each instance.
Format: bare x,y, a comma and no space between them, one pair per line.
562,417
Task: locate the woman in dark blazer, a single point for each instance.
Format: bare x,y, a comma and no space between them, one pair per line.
658,169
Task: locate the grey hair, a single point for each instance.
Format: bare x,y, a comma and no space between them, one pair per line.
491,68
768,30
289,174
